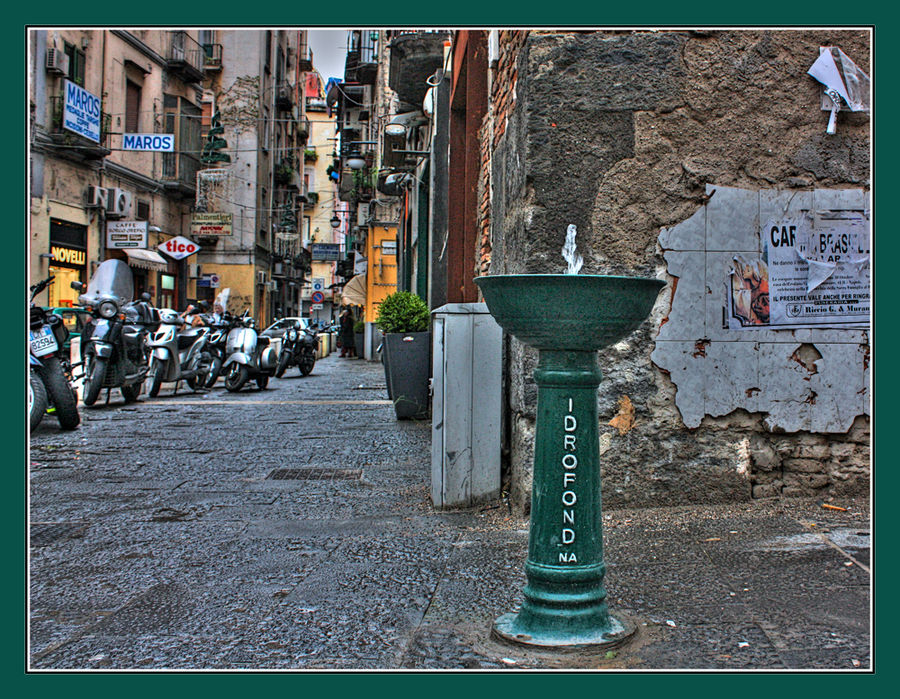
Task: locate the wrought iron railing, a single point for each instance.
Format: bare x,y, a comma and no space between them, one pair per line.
184,49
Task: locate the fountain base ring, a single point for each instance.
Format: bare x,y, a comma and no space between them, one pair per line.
619,631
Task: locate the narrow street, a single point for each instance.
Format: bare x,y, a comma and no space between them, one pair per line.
291,528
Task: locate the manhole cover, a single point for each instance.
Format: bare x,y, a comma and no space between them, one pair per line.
315,474
46,533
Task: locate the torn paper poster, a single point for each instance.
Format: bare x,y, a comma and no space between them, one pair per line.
842,79
813,272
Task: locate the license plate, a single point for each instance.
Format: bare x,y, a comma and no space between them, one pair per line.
43,342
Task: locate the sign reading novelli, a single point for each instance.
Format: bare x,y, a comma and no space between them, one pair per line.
211,224
179,247
126,234
159,142
67,256
81,111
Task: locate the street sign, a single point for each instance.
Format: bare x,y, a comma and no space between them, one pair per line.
179,247
214,281
317,297
158,142
318,284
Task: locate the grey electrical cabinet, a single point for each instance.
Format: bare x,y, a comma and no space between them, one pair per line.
466,405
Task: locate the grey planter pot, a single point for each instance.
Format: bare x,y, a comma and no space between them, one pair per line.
407,368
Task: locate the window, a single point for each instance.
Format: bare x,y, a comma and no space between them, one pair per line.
132,107
143,210
268,50
76,64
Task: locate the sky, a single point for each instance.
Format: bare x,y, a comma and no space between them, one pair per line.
329,48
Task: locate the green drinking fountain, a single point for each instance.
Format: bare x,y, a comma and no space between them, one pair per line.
567,318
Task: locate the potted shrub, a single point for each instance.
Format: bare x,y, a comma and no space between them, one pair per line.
404,318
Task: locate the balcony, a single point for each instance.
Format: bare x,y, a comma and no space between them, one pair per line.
415,56
185,58
75,146
284,97
212,57
179,174
304,55
361,65
303,129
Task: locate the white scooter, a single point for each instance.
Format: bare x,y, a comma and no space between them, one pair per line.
178,352
247,355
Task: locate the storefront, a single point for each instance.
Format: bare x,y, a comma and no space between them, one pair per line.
144,263
68,246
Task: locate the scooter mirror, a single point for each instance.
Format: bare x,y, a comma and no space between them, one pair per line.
78,286
146,297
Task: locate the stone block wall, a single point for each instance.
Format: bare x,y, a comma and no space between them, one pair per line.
628,135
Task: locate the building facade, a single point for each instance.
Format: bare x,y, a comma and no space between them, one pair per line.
120,162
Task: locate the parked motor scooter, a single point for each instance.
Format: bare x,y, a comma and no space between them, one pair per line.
248,355
219,327
114,347
47,336
178,352
298,346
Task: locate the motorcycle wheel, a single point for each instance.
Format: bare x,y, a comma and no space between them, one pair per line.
215,369
236,377
307,362
283,359
94,373
154,376
60,393
37,399
130,392
262,380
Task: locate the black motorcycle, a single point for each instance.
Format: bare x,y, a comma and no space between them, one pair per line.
47,337
215,344
298,347
114,347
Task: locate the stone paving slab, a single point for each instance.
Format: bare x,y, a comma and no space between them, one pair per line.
160,541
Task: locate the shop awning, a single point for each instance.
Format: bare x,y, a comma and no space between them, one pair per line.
354,292
146,259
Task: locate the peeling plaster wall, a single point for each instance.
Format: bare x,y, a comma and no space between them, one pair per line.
625,134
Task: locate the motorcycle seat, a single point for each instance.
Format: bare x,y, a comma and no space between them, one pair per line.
262,341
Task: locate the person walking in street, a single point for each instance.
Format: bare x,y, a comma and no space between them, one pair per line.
348,342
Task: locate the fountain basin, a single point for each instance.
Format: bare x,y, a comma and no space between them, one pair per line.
569,311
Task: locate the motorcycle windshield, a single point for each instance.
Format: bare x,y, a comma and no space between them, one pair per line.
112,278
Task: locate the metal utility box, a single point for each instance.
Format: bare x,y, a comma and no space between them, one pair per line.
466,405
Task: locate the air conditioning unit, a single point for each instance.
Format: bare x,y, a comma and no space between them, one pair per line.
278,268
362,214
118,204
57,61
260,277
97,197
194,271
272,285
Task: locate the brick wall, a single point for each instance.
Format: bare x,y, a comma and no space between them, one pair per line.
502,101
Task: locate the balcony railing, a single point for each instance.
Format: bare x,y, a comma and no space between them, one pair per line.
85,147
179,172
284,96
185,57
212,56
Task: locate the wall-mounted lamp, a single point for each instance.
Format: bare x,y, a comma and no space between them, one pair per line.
154,229
356,162
335,221
48,255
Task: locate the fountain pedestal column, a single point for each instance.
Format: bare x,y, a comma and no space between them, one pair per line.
567,318
564,599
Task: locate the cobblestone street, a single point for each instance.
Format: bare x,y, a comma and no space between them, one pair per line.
292,528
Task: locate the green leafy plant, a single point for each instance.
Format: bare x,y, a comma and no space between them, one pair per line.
359,326
310,155
402,312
